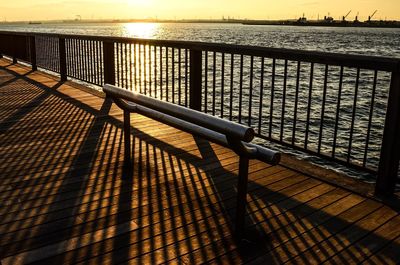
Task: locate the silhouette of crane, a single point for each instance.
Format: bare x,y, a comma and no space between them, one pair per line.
356,20
371,16
344,17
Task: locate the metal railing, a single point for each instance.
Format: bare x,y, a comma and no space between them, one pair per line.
340,107
235,136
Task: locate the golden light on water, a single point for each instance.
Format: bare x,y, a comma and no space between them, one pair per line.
140,30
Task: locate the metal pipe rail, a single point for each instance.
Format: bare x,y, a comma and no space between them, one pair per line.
223,132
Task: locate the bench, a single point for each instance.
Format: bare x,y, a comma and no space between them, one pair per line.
235,136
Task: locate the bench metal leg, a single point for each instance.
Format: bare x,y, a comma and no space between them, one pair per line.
127,143
241,196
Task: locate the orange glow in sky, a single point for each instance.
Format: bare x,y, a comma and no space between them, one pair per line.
195,9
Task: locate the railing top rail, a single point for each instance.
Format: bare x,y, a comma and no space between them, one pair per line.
336,59
239,131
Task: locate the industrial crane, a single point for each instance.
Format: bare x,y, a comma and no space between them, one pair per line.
344,17
371,16
356,20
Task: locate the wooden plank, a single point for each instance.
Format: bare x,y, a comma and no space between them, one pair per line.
338,241
370,244
388,255
58,188
285,218
174,195
70,244
169,236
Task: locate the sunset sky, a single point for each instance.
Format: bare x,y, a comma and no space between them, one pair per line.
204,9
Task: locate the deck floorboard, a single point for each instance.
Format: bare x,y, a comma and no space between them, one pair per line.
63,201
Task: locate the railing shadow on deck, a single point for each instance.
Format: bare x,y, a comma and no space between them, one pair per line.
169,183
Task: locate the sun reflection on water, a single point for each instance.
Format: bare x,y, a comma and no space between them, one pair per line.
140,30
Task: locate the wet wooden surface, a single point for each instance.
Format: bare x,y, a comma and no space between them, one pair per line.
62,199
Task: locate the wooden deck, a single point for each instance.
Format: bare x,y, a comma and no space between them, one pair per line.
62,199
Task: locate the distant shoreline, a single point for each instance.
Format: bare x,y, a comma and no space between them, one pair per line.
311,23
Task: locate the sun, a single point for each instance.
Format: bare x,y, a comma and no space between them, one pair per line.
142,3
140,30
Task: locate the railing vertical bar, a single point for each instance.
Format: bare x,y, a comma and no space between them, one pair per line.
47,47
53,51
261,95
214,81
135,66
140,67
251,89
179,76
371,112
145,62
166,74
240,88
82,44
222,83
118,66
155,72
186,78
131,69
285,71
67,49
205,81
337,112
310,88
82,57
75,59
93,62
296,103
89,61
101,66
86,54
56,48
161,73
71,57
46,61
321,127
271,110
173,73
50,61
127,66
123,65
92,65
150,72
353,116
57,63
99,63
231,88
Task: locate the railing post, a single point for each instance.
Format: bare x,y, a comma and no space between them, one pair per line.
390,151
109,63
195,79
32,49
63,59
